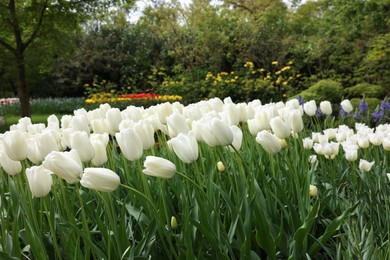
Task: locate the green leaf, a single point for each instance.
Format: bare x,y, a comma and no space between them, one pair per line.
6,256
330,230
301,233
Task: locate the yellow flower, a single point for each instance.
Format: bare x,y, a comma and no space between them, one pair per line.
274,63
285,83
173,222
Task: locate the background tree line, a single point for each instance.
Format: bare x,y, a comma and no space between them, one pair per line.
172,49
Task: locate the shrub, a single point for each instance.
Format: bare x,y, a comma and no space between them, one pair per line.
366,90
323,90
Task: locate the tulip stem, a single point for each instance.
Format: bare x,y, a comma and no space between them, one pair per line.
52,230
84,224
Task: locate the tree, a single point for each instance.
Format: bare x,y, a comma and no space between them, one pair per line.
23,23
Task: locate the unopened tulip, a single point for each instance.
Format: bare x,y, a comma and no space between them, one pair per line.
47,143
310,108
365,166
307,143
326,107
39,180
173,222
159,167
34,154
220,166
312,159
269,142
346,105
100,179
66,165
130,144
375,139
163,111
280,128
15,145
313,192
80,141
186,147
80,123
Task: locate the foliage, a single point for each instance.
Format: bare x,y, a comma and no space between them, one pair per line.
324,89
365,90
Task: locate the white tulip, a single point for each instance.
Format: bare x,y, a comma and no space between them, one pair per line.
130,144
365,166
145,131
326,107
186,147
310,108
100,179
159,167
346,105
66,165
280,128
113,119
177,123
269,142
39,180
80,141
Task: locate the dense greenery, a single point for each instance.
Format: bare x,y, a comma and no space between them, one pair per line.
172,48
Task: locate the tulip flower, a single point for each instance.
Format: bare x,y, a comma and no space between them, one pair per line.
326,107
351,155
185,147
145,131
80,123
80,141
220,166
313,192
280,128
177,123
100,179
47,143
307,143
113,119
163,111
66,165
269,142
159,167
346,105
15,145
99,143
215,132
34,154
310,108
39,180
365,166
237,138
295,120
130,144
11,167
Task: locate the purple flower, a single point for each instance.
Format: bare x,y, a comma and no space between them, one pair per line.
385,105
300,100
377,115
319,112
343,113
363,106
357,116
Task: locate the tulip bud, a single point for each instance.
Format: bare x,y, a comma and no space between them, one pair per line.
173,222
215,132
326,107
130,144
312,159
177,123
113,119
159,167
185,147
47,143
279,127
310,108
100,179
307,143
39,180
220,166
295,120
99,143
80,123
269,142
365,166
66,165
313,192
346,106
80,141
237,138
283,143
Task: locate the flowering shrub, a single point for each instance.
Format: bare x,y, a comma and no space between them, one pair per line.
7,101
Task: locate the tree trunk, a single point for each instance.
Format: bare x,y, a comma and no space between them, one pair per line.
22,87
